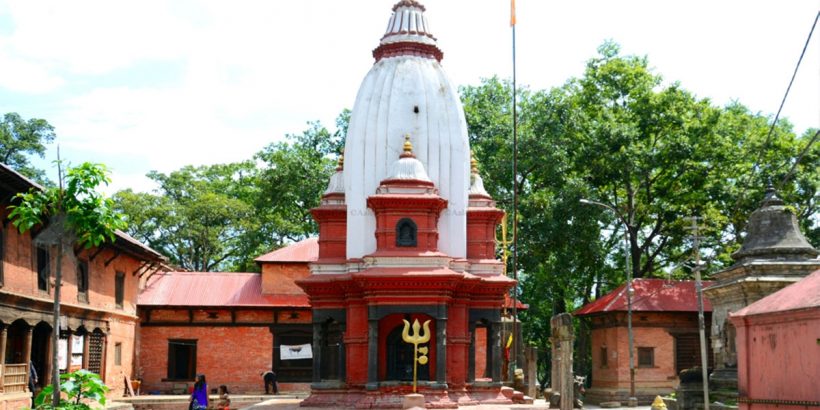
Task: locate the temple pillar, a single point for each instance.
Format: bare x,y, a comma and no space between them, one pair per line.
494,351
342,370
4,334
441,351
471,355
27,344
372,354
317,352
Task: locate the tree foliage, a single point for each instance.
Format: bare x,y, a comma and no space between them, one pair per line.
221,217
20,138
652,151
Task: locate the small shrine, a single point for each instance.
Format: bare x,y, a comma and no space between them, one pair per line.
407,233
775,254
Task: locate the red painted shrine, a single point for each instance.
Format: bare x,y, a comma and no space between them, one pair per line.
406,231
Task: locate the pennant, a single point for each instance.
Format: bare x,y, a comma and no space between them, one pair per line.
512,13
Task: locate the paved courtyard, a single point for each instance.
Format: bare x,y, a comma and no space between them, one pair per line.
289,403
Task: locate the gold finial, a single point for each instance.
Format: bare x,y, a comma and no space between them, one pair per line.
473,163
340,165
408,147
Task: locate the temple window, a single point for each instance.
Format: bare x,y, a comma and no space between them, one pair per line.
604,357
43,273
406,233
646,357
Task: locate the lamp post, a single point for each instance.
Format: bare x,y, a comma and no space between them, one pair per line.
633,401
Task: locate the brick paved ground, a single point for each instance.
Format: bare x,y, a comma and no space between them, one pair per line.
293,404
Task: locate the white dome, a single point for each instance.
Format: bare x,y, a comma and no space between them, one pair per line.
407,92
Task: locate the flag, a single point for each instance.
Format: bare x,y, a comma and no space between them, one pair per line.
512,13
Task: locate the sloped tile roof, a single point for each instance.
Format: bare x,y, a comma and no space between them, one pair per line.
650,295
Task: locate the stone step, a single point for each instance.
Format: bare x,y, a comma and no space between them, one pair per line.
507,392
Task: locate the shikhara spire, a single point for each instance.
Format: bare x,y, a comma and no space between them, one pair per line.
407,92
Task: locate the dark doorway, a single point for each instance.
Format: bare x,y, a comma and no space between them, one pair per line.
40,349
16,342
400,358
332,350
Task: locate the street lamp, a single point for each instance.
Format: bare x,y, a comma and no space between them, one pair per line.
632,398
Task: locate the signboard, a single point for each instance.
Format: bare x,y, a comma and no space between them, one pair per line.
295,352
62,354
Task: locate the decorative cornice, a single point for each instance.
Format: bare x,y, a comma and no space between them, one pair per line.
407,48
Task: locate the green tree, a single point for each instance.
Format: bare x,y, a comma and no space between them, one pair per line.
652,151
72,213
221,217
20,138
198,215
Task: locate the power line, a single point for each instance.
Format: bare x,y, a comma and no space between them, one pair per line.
777,116
783,101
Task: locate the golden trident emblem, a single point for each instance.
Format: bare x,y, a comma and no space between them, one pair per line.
504,242
416,339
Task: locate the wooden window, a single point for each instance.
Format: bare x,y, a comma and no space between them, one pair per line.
82,281
181,359
604,356
43,273
2,253
96,347
646,357
117,354
406,233
119,289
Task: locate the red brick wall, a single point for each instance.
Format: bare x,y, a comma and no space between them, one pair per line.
649,330
19,277
234,356
280,277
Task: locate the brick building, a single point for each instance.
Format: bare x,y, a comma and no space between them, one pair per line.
665,334
98,304
778,357
228,326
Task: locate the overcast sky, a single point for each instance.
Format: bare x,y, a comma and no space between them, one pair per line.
149,85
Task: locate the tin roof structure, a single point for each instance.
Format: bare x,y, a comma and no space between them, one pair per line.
650,295
223,289
300,252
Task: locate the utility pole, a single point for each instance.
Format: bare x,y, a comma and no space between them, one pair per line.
704,359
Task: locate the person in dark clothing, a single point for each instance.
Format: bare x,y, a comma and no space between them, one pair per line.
32,377
270,382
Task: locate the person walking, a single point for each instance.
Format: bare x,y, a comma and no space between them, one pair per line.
32,377
199,397
269,377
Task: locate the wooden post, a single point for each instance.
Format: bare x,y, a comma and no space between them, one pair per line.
3,337
562,339
27,345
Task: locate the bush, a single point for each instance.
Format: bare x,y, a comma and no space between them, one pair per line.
78,386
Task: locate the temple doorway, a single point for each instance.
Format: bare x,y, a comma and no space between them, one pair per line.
399,354
41,352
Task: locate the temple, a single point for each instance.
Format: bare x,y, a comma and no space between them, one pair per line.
406,232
